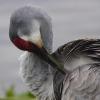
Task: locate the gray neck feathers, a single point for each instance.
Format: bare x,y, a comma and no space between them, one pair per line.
35,73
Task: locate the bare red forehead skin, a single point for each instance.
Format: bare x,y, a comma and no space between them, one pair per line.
22,44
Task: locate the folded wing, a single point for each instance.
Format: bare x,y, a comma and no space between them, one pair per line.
83,50
83,83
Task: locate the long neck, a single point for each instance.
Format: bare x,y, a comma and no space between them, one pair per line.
35,73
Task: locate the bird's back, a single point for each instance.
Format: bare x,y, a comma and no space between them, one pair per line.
82,59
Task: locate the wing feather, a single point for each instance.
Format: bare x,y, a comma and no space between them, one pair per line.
83,83
89,48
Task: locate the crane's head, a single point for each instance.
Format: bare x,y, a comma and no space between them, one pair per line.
31,30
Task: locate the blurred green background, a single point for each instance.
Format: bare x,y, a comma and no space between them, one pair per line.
11,95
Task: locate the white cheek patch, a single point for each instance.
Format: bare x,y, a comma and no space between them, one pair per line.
24,38
34,38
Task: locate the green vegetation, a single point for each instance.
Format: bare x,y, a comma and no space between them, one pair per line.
11,95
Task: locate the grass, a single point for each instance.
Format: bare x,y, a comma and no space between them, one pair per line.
11,95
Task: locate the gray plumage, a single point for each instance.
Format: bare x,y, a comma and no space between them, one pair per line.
80,58
83,83
35,73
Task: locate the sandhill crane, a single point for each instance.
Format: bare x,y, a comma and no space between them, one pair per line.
72,72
